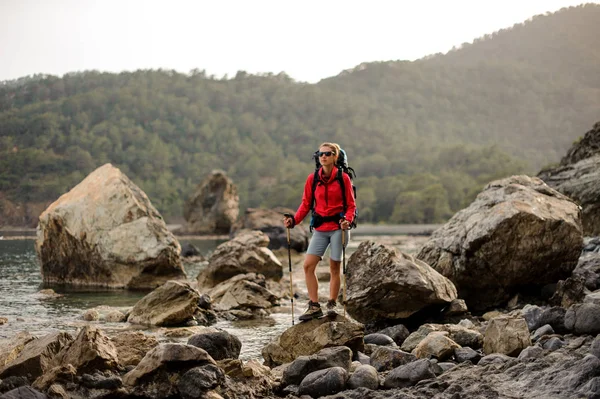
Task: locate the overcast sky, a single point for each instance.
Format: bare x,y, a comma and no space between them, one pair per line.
309,40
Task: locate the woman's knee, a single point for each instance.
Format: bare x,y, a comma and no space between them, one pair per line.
310,263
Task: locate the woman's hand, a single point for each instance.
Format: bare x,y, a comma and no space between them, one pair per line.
344,224
288,222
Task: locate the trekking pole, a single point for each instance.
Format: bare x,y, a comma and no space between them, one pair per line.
344,266
290,269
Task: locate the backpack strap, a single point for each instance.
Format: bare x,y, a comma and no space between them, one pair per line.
340,178
314,188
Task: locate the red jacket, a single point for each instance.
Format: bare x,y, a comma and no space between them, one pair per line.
329,201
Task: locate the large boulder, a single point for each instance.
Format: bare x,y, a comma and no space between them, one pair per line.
269,221
244,292
213,207
385,284
246,253
171,304
578,177
517,233
106,233
308,338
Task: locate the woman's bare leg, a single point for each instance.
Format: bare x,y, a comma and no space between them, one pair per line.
312,285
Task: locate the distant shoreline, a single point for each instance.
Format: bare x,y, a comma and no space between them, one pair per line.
19,233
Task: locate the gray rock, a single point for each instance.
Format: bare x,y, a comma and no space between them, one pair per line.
379,339
384,358
553,344
24,392
546,329
324,382
409,374
296,371
555,317
521,216
532,314
219,345
377,271
583,319
532,352
364,376
196,381
398,333
467,354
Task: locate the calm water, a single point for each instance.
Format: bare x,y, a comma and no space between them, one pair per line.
27,310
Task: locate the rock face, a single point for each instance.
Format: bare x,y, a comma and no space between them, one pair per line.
578,177
213,207
269,222
106,233
246,253
517,232
384,283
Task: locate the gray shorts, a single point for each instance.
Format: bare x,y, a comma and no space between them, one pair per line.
322,239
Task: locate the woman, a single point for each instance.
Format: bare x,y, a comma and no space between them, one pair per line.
331,220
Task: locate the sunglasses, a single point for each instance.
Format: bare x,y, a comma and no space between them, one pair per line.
326,153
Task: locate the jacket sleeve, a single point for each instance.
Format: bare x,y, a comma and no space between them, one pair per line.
306,203
350,200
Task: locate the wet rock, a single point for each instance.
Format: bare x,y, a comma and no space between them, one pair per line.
310,337
377,271
219,345
269,221
521,216
246,253
106,233
173,303
324,382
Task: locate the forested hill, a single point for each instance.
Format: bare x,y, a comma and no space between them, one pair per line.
423,136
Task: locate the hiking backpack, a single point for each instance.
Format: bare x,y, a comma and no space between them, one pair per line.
342,167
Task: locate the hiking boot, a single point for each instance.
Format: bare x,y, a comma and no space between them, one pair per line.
313,312
331,304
